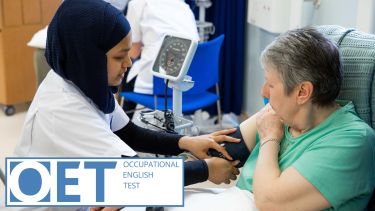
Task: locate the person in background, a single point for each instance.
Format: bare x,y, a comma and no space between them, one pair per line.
150,21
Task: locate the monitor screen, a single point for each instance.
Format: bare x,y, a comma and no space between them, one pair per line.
174,57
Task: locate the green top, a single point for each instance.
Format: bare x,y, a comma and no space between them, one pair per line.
337,157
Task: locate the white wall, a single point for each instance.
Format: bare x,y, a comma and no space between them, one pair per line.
330,12
365,15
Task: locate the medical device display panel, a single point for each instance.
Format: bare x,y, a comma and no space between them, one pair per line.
174,58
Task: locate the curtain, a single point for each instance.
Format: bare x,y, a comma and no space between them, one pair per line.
229,18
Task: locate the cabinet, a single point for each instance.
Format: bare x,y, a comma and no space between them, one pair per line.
19,20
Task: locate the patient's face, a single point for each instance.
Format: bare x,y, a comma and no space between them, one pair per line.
118,61
284,105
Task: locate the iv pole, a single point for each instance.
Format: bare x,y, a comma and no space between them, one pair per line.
204,28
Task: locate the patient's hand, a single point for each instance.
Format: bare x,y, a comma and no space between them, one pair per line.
221,170
199,145
269,124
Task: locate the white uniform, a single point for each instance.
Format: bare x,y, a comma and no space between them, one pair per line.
150,21
62,121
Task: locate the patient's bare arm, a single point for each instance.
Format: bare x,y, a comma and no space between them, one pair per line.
248,130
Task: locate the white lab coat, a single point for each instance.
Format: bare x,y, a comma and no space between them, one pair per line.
150,21
62,121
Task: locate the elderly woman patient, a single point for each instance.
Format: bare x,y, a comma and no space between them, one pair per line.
309,152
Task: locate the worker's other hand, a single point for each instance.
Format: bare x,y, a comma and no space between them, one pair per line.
105,209
221,170
199,145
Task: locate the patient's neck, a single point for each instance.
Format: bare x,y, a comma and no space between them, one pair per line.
309,117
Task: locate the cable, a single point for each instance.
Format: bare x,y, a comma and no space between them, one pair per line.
166,96
168,115
168,130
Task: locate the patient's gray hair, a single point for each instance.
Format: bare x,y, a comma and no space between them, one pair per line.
306,55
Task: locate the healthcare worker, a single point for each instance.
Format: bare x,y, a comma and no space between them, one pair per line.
150,21
74,112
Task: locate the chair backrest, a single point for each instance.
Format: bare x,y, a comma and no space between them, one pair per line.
358,54
204,68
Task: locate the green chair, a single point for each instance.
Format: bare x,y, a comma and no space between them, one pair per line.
358,54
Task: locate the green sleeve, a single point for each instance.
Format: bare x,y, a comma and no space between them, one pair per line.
341,167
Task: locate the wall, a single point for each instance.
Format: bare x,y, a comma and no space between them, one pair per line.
330,12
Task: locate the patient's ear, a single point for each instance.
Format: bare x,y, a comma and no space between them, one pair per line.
305,90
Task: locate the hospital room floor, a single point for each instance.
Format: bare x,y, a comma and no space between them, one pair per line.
10,130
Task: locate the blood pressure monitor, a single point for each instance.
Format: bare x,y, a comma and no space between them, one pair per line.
174,57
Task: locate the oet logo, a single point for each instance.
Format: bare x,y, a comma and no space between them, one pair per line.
30,181
36,182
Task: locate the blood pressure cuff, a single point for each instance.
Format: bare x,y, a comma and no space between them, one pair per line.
238,150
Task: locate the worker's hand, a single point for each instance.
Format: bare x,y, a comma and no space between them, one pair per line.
105,209
199,145
221,170
269,125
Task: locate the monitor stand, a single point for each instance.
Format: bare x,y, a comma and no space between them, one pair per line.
156,119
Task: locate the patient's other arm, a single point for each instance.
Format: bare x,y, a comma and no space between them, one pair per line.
273,189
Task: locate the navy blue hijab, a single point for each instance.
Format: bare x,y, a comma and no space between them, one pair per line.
78,38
